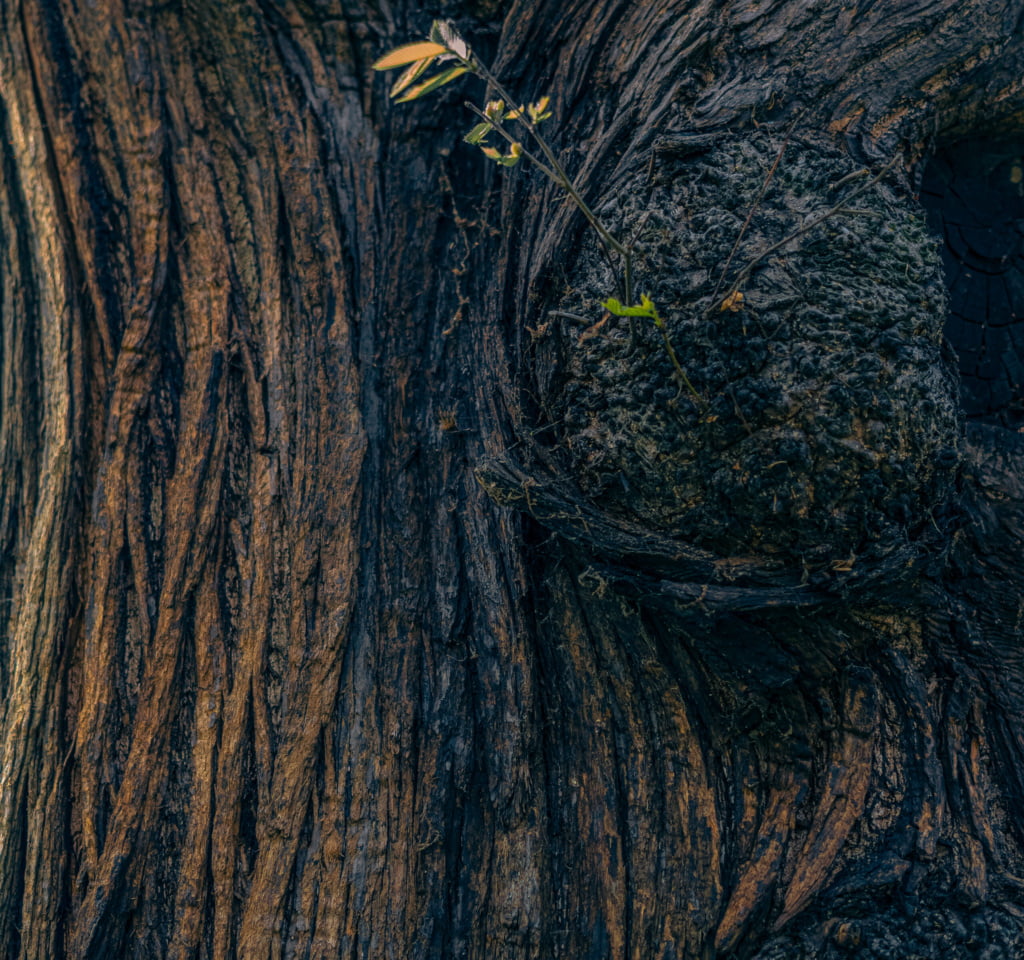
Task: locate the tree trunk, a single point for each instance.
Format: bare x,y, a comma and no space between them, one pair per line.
356,605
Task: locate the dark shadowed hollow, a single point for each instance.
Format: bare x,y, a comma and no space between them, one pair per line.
973,191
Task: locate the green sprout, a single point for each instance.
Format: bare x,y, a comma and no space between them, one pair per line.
447,50
494,113
645,308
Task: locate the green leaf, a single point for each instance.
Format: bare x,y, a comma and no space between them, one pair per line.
411,75
438,80
645,308
410,53
539,111
510,159
478,134
495,110
513,157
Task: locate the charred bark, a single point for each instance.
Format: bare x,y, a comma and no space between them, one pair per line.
354,605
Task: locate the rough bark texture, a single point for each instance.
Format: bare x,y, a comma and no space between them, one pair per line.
353,606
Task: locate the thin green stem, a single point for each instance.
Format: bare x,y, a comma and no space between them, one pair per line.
556,172
662,329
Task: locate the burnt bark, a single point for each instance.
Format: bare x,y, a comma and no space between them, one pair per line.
354,605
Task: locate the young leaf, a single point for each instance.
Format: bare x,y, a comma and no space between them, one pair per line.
510,159
438,80
539,110
495,110
444,32
645,308
513,156
409,76
409,53
478,134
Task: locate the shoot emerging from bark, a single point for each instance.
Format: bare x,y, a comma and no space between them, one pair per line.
446,46
646,308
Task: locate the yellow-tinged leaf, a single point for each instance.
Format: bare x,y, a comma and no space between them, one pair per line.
409,76
438,80
539,110
513,156
733,303
410,53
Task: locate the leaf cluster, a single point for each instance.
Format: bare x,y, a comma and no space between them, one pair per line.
445,46
494,114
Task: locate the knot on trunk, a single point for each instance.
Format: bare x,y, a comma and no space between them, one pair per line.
827,436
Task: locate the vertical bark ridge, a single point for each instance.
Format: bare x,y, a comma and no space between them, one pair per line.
768,825
635,800
840,803
224,233
42,317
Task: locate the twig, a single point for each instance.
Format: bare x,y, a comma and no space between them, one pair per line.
752,211
502,132
557,172
679,368
570,316
839,208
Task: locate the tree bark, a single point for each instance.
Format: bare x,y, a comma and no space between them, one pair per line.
353,605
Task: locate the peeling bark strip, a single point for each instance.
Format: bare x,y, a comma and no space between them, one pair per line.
279,678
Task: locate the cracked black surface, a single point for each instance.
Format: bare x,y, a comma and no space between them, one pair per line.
827,432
